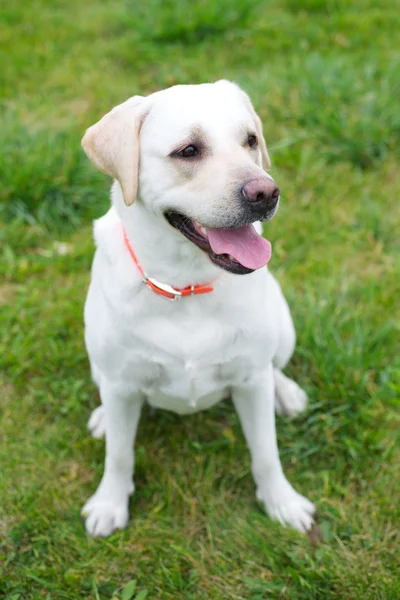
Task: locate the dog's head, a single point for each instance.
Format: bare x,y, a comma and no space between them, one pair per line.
196,156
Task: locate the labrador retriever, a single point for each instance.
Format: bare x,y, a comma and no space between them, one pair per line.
181,310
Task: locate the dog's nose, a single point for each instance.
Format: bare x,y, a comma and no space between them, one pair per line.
262,194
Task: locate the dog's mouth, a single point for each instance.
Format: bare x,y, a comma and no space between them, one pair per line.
240,250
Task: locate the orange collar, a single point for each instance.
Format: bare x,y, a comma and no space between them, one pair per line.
163,289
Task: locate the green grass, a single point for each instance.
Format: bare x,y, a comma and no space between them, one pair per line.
325,79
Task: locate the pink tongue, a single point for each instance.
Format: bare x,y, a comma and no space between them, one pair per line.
244,244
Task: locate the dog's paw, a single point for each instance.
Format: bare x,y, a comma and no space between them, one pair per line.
287,506
290,399
102,517
96,424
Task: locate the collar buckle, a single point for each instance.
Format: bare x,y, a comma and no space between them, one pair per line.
163,289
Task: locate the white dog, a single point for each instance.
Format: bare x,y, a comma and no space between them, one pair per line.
193,158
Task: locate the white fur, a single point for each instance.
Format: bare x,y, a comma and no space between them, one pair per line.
186,356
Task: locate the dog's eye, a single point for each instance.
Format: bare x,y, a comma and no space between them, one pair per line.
252,141
188,152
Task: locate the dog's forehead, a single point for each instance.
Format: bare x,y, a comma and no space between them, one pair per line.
211,107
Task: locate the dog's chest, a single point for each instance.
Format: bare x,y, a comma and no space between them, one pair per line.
183,365
189,376
188,387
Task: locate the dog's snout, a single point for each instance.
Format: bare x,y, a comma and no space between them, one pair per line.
262,194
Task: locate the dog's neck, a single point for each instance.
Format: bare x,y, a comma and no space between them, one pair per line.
163,252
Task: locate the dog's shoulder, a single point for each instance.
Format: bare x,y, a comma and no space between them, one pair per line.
108,235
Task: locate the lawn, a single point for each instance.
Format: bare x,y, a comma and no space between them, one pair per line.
325,78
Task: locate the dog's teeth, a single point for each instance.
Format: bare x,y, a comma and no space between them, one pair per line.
203,230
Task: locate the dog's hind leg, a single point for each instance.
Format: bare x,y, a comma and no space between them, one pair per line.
290,399
96,423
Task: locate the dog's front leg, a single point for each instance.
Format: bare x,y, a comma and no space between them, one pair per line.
255,407
107,509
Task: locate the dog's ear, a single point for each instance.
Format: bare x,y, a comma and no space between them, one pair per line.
112,144
259,130
263,147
